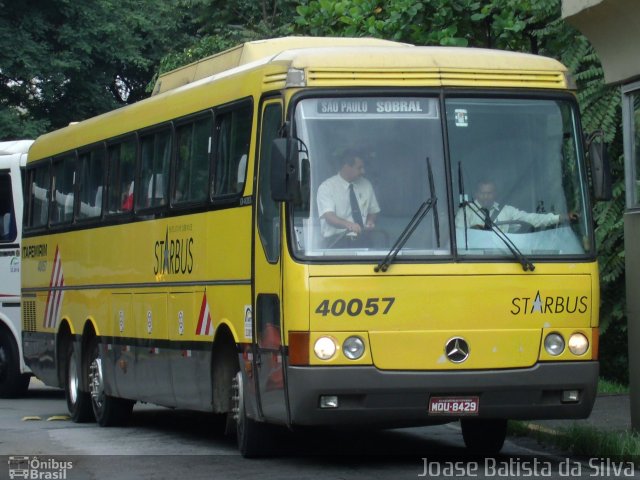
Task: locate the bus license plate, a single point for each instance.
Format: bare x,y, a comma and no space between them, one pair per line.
454,405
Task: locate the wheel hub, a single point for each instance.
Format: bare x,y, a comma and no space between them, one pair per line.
236,396
96,385
73,380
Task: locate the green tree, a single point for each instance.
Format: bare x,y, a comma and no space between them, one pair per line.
64,61
219,25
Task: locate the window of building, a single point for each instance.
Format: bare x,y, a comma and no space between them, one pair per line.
631,125
635,135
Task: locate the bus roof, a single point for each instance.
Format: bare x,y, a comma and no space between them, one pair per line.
319,62
15,146
252,51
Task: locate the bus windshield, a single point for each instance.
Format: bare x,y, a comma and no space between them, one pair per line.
515,166
379,151
366,165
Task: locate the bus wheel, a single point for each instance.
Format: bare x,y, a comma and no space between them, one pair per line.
485,436
78,402
253,437
109,411
12,382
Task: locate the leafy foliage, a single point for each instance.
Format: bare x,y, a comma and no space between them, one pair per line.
219,25
64,61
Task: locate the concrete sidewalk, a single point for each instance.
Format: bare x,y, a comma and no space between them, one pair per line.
610,413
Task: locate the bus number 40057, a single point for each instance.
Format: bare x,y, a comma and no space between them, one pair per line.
356,306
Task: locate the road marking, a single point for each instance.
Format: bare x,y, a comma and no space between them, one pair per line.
28,419
55,418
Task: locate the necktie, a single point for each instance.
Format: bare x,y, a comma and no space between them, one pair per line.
487,218
355,208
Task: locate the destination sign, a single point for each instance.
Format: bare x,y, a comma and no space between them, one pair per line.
376,106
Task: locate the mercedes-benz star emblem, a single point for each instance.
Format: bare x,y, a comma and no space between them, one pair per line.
457,350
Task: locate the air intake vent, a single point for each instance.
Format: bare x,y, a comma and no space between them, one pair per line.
29,316
438,77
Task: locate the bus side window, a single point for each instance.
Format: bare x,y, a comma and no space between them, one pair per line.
38,184
7,218
122,161
268,214
232,148
91,183
64,176
155,155
192,162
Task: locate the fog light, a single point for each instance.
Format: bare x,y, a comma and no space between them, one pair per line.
554,344
353,348
578,344
325,348
328,401
570,396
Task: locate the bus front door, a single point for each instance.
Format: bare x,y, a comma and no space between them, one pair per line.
267,318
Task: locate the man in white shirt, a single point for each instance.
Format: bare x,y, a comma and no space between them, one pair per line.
347,203
485,210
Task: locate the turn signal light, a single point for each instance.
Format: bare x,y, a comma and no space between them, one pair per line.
298,348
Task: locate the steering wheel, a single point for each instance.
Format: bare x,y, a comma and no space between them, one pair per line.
522,227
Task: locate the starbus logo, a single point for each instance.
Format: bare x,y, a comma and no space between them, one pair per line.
36,468
549,304
173,255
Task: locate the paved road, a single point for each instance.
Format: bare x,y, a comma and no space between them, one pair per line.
162,443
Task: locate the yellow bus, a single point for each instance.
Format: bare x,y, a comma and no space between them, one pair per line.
321,231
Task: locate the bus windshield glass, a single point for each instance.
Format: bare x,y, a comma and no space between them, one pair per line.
515,167
373,178
364,165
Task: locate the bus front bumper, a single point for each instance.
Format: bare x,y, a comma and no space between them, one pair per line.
367,395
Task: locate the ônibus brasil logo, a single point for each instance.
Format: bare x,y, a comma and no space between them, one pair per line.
22,466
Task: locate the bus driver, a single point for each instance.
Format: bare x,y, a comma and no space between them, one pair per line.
485,210
347,203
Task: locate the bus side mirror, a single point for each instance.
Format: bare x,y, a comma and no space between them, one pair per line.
600,166
284,170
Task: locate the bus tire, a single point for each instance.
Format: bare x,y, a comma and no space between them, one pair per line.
12,383
109,411
253,437
484,436
78,401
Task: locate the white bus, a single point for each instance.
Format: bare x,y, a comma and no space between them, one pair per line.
14,374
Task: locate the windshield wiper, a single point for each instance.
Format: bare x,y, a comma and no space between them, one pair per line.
527,265
425,207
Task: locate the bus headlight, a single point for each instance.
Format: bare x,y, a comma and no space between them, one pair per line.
578,344
325,348
554,344
353,348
